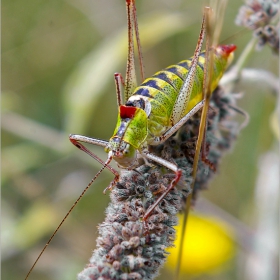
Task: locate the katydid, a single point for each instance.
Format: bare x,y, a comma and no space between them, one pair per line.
158,107
153,111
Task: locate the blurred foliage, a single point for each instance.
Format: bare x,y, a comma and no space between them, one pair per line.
58,61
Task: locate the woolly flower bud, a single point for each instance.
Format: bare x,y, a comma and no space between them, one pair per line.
260,15
267,35
257,13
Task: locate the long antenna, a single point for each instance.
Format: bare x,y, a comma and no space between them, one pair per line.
107,162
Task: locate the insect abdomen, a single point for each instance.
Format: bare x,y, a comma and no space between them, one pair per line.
164,86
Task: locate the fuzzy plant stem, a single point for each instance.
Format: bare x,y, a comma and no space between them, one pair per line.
124,251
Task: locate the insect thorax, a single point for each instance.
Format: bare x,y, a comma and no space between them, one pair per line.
158,120
129,135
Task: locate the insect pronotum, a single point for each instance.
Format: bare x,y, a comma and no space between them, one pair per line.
153,111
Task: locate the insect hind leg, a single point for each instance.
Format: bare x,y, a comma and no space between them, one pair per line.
160,139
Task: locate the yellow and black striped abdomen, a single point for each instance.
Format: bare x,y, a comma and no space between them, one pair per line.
181,70
163,87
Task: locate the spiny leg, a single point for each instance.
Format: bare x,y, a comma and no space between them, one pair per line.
208,73
183,98
203,121
76,139
198,49
186,91
130,78
85,139
213,31
212,39
178,119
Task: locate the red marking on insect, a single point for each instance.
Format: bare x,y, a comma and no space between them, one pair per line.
226,50
127,111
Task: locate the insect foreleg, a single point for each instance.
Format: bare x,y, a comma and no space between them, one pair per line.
85,139
76,139
160,139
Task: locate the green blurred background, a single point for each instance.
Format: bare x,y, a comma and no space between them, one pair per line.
58,61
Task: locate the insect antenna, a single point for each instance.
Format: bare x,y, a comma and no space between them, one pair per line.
130,77
233,37
212,38
137,35
132,24
106,163
246,29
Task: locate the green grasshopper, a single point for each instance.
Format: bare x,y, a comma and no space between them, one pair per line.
153,111
156,109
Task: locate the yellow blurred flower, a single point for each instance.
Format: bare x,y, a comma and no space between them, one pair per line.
209,244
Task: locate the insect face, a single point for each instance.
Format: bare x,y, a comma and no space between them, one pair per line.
130,133
122,152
